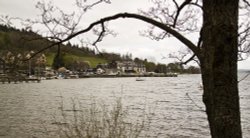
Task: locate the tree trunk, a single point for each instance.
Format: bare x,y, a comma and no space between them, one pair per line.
219,67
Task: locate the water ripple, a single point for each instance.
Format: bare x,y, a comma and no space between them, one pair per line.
26,108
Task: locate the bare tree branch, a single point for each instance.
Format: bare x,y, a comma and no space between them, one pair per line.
84,7
174,15
184,56
190,59
244,77
7,20
247,2
101,34
179,8
200,108
180,37
244,31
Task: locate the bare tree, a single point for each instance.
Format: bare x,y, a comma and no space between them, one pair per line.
183,56
223,26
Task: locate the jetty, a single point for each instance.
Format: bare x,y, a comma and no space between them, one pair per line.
4,78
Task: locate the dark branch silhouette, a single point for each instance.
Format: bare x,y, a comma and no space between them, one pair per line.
171,31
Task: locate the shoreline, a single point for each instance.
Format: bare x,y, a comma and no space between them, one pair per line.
127,75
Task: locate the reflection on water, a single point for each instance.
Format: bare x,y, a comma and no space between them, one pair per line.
26,110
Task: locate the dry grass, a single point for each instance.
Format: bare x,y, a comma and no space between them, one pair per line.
101,121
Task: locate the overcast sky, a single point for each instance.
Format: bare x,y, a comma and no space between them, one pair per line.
128,39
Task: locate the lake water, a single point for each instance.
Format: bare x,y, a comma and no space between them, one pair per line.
27,109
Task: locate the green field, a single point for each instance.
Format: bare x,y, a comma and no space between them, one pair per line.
69,57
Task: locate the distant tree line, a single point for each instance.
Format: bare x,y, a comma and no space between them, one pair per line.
20,41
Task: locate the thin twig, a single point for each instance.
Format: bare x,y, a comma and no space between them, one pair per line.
201,109
190,59
244,77
179,8
248,3
176,34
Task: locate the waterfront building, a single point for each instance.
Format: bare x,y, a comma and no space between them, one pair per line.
131,67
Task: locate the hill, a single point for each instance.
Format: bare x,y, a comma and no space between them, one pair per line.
21,41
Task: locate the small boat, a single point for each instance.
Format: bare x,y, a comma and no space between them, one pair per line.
200,86
139,79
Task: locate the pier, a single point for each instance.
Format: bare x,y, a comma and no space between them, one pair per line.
15,79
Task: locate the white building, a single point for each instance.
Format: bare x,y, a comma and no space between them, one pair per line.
131,67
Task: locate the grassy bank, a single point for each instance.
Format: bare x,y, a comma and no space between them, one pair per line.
69,58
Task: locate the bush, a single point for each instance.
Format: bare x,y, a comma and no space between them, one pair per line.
101,121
